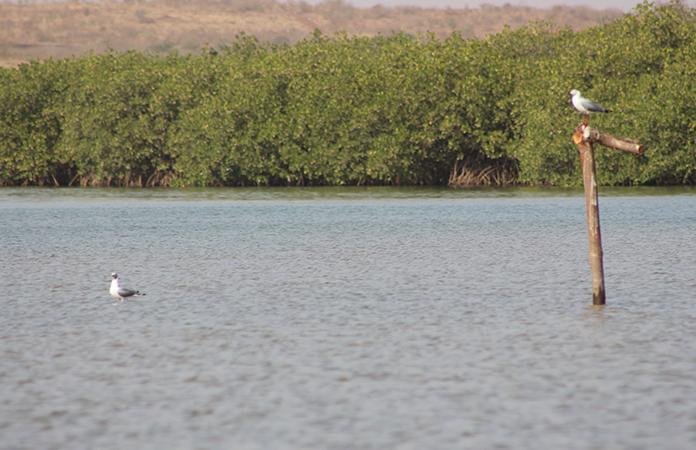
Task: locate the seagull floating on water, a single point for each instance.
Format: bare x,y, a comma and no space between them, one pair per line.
119,292
585,106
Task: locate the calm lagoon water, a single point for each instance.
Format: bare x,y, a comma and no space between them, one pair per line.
346,318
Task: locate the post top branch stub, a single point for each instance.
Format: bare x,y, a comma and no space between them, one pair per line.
589,134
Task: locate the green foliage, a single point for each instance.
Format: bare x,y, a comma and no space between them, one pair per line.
356,110
640,66
116,119
29,125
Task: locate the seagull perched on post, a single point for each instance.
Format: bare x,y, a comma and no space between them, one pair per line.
119,292
585,106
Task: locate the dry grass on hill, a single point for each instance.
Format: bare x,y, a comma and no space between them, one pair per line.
58,30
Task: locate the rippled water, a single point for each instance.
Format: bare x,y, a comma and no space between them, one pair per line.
373,318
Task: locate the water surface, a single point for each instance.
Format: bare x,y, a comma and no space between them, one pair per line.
346,318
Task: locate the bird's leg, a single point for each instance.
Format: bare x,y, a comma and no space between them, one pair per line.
587,119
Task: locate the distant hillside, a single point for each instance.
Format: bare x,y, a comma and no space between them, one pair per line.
58,30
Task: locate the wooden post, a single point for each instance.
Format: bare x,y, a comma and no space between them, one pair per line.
589,182
584,137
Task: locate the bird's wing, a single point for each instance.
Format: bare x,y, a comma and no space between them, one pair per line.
591,106
123,292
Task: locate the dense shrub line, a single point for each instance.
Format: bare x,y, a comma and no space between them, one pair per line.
357,110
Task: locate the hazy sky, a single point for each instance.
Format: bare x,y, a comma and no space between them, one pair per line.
624,5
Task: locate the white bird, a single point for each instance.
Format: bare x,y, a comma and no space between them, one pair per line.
119,292
585,106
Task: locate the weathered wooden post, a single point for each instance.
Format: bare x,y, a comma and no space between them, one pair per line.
584,138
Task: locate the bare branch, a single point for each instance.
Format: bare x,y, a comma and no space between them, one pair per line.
624,144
